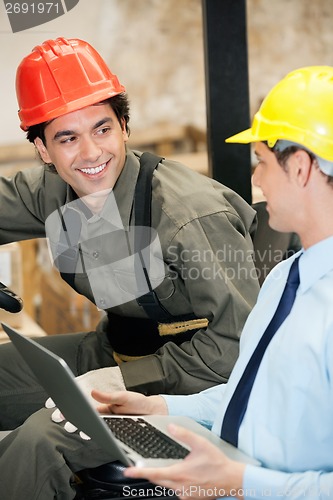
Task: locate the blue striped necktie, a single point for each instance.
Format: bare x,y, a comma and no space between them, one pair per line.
237,406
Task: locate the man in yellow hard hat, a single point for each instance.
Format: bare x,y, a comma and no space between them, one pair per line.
164,251
278,403
283,417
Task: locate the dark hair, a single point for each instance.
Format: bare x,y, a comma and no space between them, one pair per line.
282,158
119,103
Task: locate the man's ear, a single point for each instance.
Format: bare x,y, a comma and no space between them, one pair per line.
124,131
41,148
302,164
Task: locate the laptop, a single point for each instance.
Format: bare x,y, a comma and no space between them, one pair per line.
129,439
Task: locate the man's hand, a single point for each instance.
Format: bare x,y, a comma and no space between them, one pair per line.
205,472
104,379
130,403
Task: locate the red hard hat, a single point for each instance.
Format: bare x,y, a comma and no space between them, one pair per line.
61,76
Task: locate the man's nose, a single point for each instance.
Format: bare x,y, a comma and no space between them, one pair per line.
90,150
256,176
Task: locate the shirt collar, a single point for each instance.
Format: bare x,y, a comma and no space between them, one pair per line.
315,263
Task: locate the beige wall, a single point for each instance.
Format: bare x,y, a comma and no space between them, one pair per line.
284,35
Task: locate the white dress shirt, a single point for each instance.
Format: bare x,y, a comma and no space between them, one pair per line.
288,424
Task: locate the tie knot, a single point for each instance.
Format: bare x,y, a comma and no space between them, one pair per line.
293,276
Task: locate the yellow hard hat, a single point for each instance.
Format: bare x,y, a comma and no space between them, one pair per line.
298,109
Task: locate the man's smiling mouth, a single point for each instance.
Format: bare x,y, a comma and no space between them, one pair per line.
93,170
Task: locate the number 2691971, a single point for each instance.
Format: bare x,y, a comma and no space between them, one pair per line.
31,7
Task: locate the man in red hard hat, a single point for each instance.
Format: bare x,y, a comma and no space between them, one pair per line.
170,316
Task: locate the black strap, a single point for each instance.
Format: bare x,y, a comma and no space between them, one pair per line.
143,188
68,249
142,209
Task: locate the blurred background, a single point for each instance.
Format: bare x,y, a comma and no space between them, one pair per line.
156,48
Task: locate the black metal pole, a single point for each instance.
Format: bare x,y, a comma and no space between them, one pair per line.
227,92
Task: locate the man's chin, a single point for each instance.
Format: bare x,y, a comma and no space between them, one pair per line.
99,194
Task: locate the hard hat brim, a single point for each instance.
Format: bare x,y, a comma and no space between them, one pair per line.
35,116
243,137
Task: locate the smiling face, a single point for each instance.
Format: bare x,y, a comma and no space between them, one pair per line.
87,148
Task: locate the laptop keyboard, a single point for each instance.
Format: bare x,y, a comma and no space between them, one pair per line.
145,439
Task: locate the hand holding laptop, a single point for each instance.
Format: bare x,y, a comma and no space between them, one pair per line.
201,470
206,472
132,439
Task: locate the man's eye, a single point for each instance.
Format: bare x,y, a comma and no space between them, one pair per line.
67,140
103,130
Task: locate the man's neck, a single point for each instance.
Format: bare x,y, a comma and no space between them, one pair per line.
96,201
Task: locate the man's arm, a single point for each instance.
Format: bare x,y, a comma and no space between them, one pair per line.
260,483
201,406
26,200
